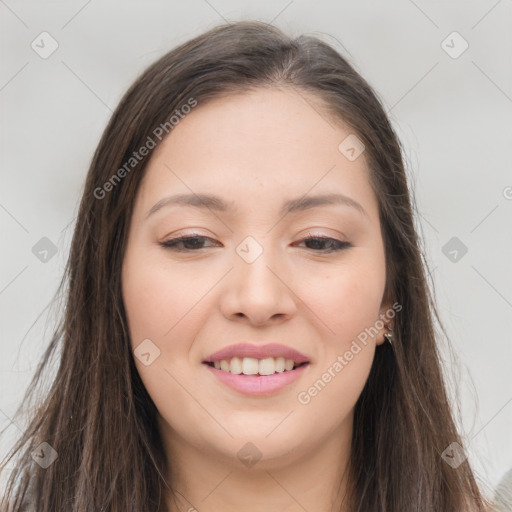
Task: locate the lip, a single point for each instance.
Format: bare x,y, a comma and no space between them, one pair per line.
258,352
258,384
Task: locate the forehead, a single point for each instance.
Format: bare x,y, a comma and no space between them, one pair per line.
263,144
263,118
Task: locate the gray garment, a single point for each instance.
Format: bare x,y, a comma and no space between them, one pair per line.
503,494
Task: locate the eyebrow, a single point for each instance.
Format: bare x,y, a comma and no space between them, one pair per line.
212,202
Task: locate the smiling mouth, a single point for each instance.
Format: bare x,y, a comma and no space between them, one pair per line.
256,367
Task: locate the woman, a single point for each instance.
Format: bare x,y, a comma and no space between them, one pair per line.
248,322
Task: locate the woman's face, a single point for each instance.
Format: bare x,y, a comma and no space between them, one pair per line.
247,276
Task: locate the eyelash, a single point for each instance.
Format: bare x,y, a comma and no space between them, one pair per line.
171,244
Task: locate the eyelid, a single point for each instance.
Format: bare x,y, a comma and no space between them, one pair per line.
186,234
323,234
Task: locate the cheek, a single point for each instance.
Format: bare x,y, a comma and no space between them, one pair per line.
159,299
347,299
162,306
348,303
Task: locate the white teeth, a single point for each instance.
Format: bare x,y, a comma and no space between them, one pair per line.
235,366
280,364
249,366
253,366
267,366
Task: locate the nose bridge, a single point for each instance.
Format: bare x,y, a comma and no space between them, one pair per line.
255,256
257,286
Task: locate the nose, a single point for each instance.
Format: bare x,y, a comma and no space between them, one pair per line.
260,292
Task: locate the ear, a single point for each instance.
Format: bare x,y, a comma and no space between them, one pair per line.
386,319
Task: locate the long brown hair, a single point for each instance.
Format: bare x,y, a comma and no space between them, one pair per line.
97,415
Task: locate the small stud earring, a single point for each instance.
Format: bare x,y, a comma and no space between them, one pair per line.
389,336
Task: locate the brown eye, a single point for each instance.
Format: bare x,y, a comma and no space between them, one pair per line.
185,243
323,244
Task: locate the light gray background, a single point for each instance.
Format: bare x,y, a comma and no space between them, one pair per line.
452,114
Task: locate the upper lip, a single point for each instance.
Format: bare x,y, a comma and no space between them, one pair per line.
258,352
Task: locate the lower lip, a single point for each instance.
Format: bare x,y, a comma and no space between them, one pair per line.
258,384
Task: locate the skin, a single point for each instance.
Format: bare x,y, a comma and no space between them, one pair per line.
255,150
